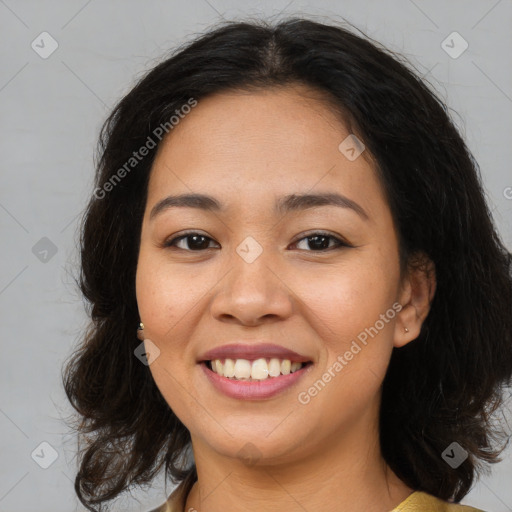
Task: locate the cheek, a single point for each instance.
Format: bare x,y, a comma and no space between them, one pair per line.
343,301
166,296
165,300
344,309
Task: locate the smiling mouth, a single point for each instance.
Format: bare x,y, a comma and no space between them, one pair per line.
254,370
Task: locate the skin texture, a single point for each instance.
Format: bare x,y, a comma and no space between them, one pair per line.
247,149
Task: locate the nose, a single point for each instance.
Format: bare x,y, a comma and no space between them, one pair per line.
253,293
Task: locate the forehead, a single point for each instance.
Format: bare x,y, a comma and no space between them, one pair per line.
293,118
244,146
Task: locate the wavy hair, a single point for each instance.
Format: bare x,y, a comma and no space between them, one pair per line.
442,387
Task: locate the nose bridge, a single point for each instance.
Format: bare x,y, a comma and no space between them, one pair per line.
252,288
252,265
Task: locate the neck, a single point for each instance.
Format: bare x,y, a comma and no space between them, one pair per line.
347,473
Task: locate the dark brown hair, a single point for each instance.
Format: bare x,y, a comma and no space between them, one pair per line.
441,388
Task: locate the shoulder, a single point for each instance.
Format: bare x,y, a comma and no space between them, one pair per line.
176,501
420,501
172,504
161,508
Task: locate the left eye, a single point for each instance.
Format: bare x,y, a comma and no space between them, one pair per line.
198,242
322,241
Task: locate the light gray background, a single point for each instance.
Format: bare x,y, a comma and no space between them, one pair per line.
50,114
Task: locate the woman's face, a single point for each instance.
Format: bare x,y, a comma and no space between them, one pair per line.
251,276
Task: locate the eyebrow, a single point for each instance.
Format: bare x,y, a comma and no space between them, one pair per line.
283,205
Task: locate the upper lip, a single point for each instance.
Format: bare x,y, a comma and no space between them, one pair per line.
252,351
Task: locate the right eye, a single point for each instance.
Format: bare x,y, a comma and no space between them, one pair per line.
195,241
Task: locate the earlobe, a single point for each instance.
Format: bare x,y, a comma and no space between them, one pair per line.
140,331
416,297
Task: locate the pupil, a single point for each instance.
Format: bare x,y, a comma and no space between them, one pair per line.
316,243
199,245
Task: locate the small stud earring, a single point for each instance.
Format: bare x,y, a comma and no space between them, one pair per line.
140,330
406,330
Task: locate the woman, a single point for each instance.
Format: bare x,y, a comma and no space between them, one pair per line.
292,220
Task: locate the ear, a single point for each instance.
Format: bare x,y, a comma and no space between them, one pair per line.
416,293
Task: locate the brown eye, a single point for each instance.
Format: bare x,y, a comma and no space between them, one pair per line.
194,241
320,241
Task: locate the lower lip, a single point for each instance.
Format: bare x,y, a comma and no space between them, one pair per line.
254,390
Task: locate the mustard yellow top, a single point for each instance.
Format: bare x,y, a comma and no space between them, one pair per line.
418,501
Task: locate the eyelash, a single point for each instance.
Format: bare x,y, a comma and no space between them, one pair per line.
339,242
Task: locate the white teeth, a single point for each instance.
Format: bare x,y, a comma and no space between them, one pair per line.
294,367
242,369
218,366
259,369
229,368
274,367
